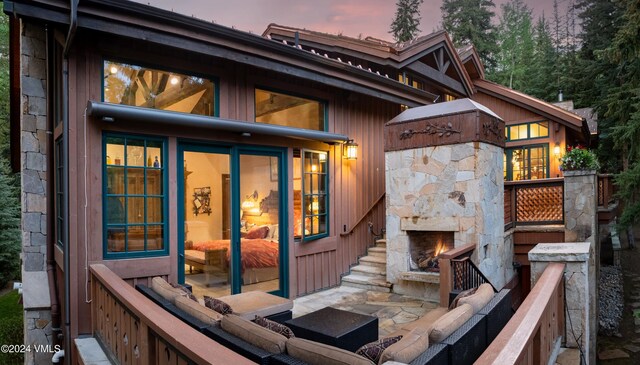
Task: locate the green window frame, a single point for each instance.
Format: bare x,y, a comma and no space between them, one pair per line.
138,85
532,162
59,192
135,196
279,107
315,194
525,131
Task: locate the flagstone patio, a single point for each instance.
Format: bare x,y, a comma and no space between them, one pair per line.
392,309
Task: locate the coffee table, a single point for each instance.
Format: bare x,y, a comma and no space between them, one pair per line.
336,327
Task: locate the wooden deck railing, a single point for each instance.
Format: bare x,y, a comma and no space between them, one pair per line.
446,272
137,331
605,190
534,330
533,202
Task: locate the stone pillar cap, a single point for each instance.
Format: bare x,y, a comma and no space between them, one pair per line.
561,252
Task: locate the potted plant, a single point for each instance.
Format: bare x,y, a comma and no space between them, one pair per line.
579,159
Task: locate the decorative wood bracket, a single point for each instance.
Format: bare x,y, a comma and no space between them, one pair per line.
441,130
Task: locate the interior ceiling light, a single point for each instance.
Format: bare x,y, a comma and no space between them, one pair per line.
174,80
113,69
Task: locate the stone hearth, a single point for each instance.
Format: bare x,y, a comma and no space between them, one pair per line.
444,174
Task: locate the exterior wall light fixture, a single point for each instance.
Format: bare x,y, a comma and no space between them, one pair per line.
350,150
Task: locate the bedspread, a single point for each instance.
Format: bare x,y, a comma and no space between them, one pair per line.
255,253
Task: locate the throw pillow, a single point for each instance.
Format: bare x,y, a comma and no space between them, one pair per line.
462,294
275,327
187,292
217,305
373,350
257,233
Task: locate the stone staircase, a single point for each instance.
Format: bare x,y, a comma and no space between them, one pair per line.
371,271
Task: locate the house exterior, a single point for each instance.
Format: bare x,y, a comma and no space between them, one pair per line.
159,144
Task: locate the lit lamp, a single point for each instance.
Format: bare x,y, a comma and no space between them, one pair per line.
556,150
250,205
350,150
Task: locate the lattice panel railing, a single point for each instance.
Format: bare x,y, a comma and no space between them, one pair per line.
539,204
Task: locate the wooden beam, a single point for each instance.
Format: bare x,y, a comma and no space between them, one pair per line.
430,72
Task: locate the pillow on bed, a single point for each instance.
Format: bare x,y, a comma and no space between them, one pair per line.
257,233
217,305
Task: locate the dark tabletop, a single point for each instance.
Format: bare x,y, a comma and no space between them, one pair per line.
332,322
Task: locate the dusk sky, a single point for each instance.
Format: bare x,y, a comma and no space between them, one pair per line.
349,17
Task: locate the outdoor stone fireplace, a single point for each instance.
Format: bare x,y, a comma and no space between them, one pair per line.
444,184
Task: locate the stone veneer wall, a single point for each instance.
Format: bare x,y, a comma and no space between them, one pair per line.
33,157
580,206
456,187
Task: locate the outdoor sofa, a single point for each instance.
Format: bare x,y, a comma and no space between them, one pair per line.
462,346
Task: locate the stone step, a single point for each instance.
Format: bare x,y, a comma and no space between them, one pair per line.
377,251
367,270
381,242
366,282
377,261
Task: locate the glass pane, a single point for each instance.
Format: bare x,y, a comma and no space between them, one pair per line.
115,238
259,214
135,210
154,155
522,131
115,209
115,151
154,210
115,180
322,188
207,222
149,88
135,238
322,205
155,237
287,110
135,181
154,182
135,153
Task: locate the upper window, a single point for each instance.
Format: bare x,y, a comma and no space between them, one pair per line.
410,80
149,88
311,199
290,111
134,197
527,131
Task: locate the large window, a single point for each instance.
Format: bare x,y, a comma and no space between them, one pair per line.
290,111
134,196
527,131
527,163
145,87
311,199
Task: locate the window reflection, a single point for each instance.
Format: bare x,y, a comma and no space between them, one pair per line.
287,110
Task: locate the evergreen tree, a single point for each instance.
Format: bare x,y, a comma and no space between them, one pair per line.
542,83
469,22
623,107
405,24
10,206
515,40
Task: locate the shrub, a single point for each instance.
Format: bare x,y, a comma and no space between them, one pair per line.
579,158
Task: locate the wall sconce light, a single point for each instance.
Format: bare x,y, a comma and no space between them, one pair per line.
250,205
350,150
556,150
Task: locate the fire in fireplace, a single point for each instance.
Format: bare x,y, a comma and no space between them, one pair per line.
425,247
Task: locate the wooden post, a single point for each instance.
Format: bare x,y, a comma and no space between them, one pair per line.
446,280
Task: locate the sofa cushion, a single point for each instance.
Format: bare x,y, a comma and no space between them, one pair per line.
481,297
425,321
373,350
217,305
462,294
256,303
165,290
199,311
316,353
408,348
254,334
186,291
450,322
274,326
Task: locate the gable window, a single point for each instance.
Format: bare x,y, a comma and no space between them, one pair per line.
527,163
527,131
410,80
311,199
149,88
290,111
134,196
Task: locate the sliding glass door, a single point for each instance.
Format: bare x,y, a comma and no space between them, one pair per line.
230,236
